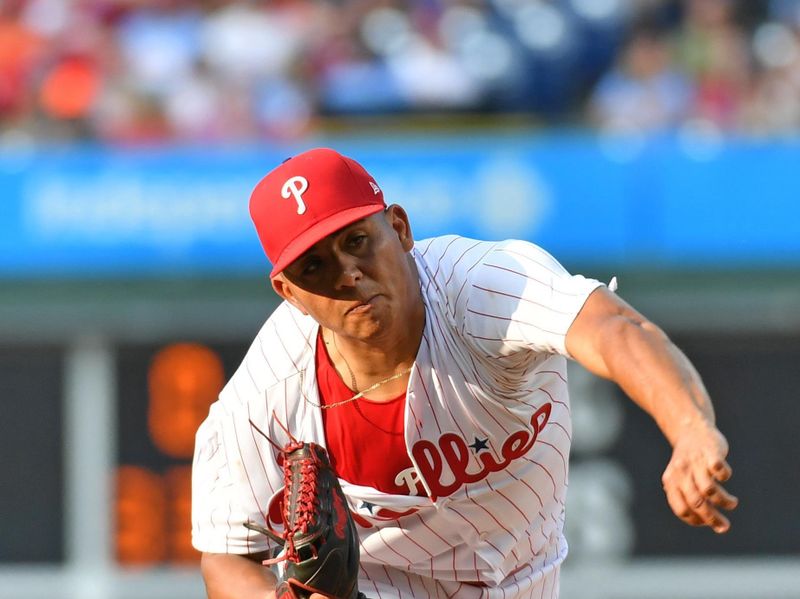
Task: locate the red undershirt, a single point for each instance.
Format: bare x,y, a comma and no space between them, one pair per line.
365,439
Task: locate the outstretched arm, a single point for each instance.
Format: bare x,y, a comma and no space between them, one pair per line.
614,341
229,576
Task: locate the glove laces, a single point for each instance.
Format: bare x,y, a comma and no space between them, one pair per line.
306,503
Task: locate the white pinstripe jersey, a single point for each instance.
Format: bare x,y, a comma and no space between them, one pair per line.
487,426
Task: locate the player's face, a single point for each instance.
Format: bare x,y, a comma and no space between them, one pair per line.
359,280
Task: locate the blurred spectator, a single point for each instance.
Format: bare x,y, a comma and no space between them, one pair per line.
773,106
644,92
21,49
154,71
712,50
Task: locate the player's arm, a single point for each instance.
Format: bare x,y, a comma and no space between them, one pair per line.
229,576
614,341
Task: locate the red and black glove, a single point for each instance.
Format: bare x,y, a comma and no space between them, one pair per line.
320,542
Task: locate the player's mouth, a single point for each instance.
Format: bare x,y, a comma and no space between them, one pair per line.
363,307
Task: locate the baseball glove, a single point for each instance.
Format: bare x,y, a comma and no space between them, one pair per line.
320,543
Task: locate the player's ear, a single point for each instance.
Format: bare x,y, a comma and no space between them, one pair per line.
284,289
397,218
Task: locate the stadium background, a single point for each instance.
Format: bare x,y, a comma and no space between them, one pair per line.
655,141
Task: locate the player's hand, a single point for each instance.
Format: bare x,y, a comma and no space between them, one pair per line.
693,477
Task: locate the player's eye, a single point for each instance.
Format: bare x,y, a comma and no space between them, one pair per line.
310,266
357,240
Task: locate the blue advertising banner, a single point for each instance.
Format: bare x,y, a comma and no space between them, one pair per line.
663,203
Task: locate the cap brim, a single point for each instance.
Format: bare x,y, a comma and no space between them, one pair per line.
319,231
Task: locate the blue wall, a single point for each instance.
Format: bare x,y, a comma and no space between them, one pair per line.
660,203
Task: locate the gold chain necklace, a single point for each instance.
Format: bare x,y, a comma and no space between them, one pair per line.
358,395
354,384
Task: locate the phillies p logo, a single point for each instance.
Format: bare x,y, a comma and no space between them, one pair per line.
296,186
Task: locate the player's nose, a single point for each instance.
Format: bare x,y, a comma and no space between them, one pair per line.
349,273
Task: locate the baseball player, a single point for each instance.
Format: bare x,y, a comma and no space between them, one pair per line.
434,373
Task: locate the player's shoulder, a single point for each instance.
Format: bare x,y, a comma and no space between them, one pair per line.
457,257
283,346
285,341
517,255
444,253
287,323
443,246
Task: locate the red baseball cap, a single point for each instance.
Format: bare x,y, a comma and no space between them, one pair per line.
308,197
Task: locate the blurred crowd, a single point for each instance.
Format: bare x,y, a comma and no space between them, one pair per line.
132,71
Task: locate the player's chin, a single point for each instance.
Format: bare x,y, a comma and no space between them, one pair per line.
369,321
364,327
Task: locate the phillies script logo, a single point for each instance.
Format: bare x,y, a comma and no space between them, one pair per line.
454,451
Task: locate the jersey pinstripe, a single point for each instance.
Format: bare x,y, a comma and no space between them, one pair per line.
487,429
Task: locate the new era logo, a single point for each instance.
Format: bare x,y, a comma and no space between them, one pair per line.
375,189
